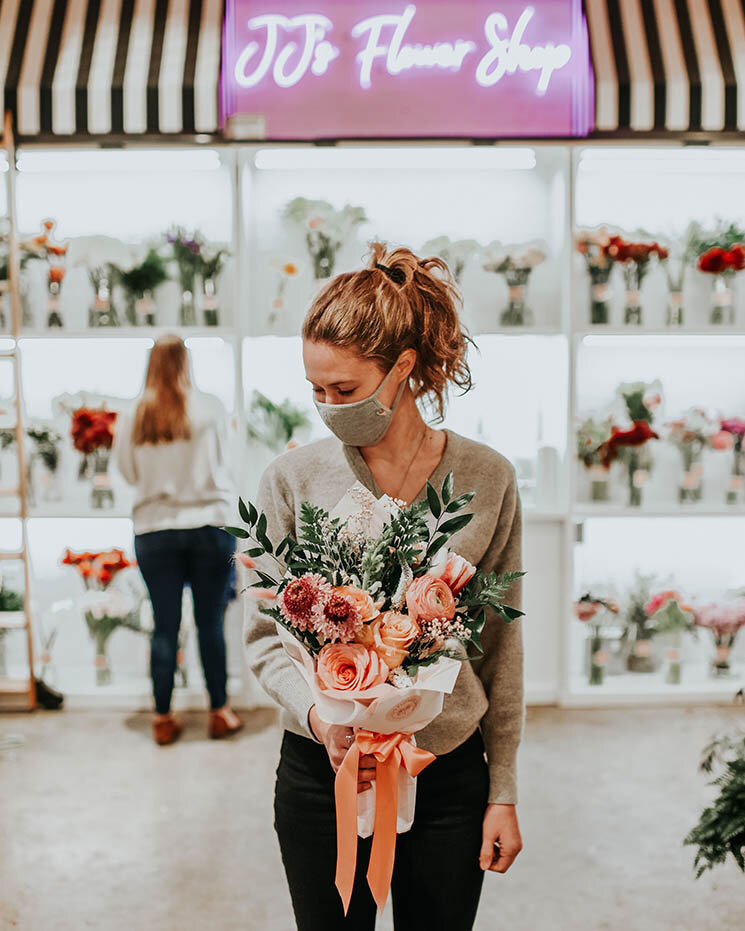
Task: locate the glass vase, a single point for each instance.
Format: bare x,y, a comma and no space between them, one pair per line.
641,656
54,315
674,311
638,474
600,294
632,275
322,251
737,476
516,313
141,309
722,301
720,664
102,312
187,314
598,659
691,481
209,303
599,483
673,666
102,494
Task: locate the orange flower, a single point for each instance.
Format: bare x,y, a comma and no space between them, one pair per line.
428,598
390,635
360,599
56,274
349,666
289,269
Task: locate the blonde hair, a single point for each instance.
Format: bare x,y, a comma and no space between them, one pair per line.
380,314
161,415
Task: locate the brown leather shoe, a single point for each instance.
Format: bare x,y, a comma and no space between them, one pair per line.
219,727
166,731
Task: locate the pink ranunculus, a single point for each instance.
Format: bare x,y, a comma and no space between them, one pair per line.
390,635
349,666
586,610
722,440
428,598
455,571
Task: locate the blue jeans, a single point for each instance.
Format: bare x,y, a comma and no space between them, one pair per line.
436,875
168,560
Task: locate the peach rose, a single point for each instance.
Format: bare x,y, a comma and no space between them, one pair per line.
455,571
390,635
349,666
429,597
361,600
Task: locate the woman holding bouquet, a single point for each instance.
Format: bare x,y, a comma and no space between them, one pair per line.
174,451
380,345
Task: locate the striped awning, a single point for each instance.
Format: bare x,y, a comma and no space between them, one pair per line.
668,65
85,68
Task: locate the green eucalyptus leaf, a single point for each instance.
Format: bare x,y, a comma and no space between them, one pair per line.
433,501
460,502
456,523
447,488
243,511
237,532
253,514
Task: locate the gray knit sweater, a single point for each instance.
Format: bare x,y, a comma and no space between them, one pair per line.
488,692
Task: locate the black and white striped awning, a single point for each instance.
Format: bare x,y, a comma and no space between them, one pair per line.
125,67
668,65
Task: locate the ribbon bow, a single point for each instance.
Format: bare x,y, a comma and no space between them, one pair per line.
391,751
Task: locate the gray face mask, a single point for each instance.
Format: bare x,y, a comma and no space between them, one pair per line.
361,423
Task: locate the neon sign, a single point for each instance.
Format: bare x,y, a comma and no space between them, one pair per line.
350,60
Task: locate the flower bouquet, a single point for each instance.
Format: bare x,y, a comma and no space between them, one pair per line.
10,601
138,284
274,425
591,434
587,609
680,255
187,254
93,435
46,451
671,617
105,609
377,616
325,228
735,426
631,446
636,259
691,434
641,658
516,267
286,271
102,312
594,247
54,253
724,620
721,253
211,263
455,254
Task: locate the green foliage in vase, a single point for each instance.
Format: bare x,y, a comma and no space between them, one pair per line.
7,437
10,600
272,424
720,831
636,612
46,443
146,276
724,235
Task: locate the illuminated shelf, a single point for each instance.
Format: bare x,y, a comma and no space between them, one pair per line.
673,510
696,686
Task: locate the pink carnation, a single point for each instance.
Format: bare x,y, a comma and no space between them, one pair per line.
339,619
302,601
725,618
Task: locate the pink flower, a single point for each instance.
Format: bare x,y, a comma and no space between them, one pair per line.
734,425
349,666
455,571
661,599
340,617
390,635
724,618
428,598
586,610
722,440
302,601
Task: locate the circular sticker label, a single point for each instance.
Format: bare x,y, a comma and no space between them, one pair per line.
404,708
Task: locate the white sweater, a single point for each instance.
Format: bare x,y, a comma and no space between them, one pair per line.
183,484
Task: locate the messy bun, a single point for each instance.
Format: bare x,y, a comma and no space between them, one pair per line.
398,302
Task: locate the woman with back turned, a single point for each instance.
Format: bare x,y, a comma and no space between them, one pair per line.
378,344
174,451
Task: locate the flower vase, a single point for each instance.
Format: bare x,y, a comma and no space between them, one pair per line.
44,483
600,294
722,302
599,483
516,312
641,657
737,476
720,664
102,312
100,630
598,658
209,303
102,494
3,660
632,275
187,315
141,309
103,669
54,316
323,253
691,484
672,660
674,312
637,477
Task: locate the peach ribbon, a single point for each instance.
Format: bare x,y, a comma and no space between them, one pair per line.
391,751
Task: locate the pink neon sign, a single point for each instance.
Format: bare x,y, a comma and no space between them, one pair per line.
397,69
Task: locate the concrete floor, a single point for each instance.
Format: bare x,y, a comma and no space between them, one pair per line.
99,828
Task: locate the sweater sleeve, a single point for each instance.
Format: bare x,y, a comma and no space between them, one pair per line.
124,449
265,654
501,667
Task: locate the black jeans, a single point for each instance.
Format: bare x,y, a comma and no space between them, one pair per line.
436,877
168,560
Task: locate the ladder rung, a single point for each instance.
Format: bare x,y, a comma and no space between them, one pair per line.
10,492
17,556
15,686
12,620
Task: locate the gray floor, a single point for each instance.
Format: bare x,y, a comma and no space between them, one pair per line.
99,828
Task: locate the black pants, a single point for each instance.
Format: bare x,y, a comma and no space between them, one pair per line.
436,877
168,560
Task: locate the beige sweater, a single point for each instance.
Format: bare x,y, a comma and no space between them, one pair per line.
488,692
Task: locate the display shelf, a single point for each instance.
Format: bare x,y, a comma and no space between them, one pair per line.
696,687
639,333
130,332
12,620
585,511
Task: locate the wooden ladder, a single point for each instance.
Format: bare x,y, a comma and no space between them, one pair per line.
19,692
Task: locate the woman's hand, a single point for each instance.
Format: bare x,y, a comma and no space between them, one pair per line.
500,827
338,739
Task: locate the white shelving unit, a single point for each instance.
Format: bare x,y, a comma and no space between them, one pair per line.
527,372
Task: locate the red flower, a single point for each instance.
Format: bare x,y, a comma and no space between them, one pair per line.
636,436
717,260
92,429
